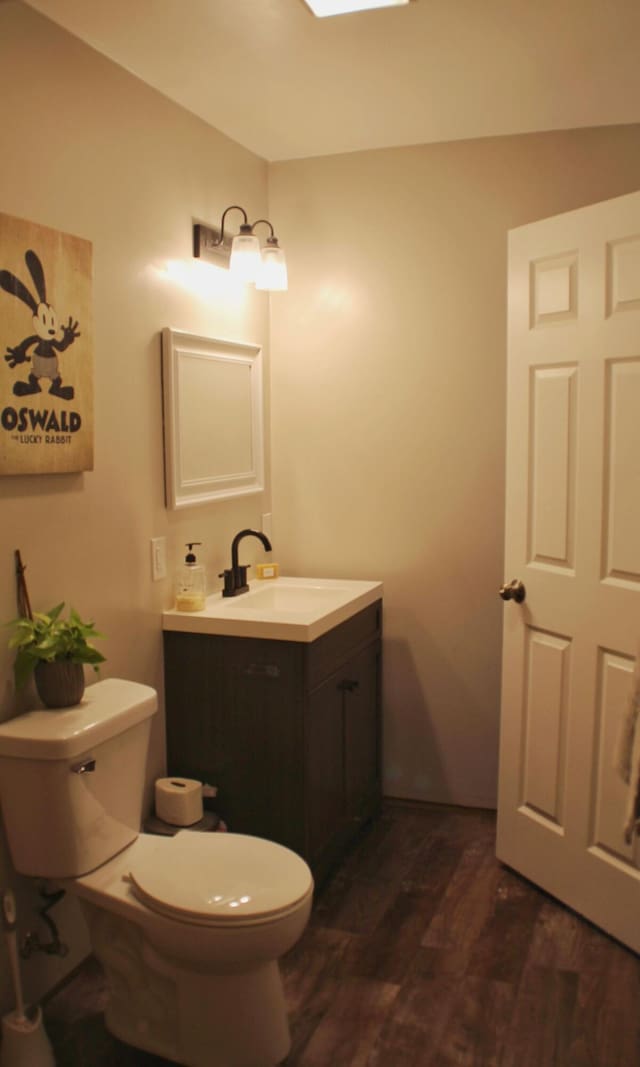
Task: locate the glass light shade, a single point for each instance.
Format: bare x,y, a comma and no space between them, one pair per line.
273,270
245,257
323,8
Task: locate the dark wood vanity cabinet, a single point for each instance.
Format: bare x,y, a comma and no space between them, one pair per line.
288,731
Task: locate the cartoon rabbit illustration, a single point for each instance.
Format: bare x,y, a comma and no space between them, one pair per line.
43,343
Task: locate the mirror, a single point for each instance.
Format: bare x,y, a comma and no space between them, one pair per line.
213,424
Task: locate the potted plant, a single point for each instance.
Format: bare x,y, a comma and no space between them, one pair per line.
55,650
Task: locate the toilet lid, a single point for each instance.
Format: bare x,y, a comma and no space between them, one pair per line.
220,878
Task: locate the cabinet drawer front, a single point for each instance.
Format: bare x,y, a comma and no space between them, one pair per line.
334,648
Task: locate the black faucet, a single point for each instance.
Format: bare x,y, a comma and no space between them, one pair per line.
235,580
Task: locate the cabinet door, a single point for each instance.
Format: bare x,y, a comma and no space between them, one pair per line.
324,744
361,687
194,687
234,718
264,769
343,756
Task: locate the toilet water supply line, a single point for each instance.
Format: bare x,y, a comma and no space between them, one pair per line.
31,942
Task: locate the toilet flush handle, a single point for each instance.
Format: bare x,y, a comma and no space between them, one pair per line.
85,767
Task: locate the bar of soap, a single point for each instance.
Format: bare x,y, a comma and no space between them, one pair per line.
267,570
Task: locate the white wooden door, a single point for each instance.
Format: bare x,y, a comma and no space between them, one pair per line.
573,539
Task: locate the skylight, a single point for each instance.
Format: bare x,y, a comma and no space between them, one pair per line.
323,8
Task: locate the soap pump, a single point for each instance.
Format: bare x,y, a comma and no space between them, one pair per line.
191,593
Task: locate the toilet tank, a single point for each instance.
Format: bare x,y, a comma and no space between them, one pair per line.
72,780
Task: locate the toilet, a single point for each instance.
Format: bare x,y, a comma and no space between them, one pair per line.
189,929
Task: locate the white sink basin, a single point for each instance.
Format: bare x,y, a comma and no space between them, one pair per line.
282,609
278,597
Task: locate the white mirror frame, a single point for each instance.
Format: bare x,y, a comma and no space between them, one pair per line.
192,433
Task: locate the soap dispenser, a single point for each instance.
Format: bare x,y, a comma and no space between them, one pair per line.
191,593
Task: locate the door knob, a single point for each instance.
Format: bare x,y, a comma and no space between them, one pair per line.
513,590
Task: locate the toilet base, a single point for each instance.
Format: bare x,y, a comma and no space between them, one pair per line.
195,1018
226,1021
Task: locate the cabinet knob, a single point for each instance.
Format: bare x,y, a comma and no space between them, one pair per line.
347,685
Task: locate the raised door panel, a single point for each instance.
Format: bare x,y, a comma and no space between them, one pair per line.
545,727
552,466
610,794
621,542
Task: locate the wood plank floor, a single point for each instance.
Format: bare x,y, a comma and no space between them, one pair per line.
424,951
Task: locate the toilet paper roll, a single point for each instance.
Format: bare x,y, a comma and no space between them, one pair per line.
179,800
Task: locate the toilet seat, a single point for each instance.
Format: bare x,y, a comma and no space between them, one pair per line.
220,880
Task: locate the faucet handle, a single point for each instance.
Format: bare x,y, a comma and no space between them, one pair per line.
229,587
240,578
235,580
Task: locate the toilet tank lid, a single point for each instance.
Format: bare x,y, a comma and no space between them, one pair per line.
107,708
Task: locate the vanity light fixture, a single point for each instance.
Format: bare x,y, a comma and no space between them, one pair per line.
242,254
323,8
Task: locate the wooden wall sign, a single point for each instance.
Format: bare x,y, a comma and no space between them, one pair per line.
46,350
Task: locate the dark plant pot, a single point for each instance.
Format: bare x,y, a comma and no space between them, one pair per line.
60,684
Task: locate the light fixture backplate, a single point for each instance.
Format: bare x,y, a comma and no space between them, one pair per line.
207,244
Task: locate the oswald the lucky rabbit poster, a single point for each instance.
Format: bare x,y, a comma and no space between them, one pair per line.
46,350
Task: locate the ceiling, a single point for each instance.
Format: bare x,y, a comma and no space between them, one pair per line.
285,84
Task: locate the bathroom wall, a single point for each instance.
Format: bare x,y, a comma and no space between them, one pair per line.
88,149
388,383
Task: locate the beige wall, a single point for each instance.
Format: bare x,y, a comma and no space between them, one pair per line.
388,382
90,150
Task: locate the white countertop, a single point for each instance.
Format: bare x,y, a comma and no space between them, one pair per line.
279,609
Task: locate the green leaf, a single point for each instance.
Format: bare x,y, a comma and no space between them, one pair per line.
49,637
